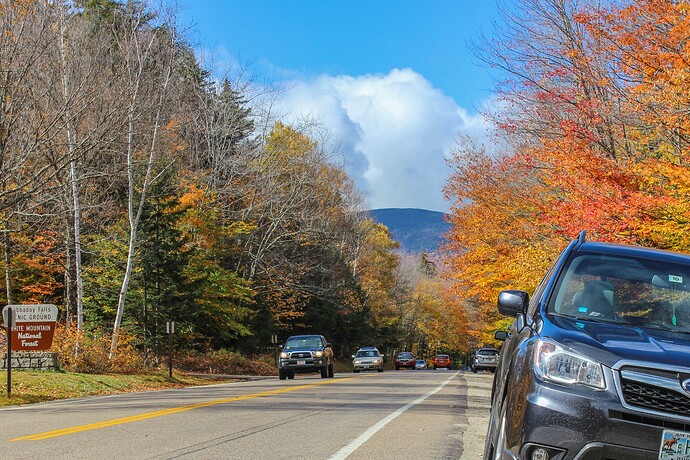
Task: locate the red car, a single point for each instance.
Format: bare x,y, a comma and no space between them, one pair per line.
404,359
442,361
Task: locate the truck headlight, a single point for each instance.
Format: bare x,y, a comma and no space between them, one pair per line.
283,355
318,354
555,363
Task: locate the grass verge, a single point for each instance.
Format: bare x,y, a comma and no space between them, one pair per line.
32,387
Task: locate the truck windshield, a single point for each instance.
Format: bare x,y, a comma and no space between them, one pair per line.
303,342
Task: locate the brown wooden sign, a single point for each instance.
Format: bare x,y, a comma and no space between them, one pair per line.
34,326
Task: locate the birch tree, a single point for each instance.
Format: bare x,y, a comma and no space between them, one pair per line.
149,58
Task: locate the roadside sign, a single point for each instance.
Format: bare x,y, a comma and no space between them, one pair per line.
33,326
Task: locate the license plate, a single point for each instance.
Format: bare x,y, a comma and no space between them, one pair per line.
675,445
301,362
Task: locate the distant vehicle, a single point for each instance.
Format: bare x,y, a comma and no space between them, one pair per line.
367,359
303,354
596,363
442,361
420,364
404,359
485,358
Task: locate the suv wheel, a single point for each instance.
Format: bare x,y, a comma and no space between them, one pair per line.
281,374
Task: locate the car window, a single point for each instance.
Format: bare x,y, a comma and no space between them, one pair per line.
622,289
367,353
487,352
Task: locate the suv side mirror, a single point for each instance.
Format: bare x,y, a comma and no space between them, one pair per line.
512,303
501,335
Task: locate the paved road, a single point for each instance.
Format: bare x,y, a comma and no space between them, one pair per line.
393,415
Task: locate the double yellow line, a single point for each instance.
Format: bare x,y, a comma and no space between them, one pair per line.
173,410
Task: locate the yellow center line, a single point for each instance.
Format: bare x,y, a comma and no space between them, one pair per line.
160,413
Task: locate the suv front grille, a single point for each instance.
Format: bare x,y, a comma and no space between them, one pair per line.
654,390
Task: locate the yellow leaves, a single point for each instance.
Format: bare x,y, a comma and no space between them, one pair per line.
284,145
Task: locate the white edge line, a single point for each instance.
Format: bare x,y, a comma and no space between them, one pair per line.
364,437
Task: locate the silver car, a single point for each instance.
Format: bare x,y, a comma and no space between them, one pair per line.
367,359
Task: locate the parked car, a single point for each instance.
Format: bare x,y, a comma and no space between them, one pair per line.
404,359
367,359
597,364
420,364
303,354
442,361
484,358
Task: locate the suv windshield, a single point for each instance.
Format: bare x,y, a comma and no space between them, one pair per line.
624,289
405,355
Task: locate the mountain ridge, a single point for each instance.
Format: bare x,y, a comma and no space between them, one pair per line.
417,230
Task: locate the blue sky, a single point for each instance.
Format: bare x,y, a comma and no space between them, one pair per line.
393,80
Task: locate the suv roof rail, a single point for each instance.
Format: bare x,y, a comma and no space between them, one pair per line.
581,237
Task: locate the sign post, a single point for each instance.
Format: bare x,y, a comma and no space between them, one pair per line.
274,341
10,324
170,328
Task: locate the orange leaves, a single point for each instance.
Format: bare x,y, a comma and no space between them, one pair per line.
597,136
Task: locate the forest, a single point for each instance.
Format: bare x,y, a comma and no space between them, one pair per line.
139,187
591,122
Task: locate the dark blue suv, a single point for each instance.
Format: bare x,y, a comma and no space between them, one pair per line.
596,364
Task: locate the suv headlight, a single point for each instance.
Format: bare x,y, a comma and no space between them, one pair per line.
283,355
318,354
557,364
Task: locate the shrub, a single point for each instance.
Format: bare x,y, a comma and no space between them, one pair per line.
224,362
89,352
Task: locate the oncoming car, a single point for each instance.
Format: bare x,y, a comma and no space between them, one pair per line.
420,364
404,359
367,359
597,362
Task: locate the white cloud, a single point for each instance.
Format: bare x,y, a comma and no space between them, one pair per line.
396,131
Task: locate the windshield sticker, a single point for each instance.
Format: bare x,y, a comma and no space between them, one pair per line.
582,309
675,279
580,325
594,313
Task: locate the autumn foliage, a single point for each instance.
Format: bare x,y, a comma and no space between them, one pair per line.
592,131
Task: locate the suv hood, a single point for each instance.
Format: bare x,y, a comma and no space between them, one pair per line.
609,343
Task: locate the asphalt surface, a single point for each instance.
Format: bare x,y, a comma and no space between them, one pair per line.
393,415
